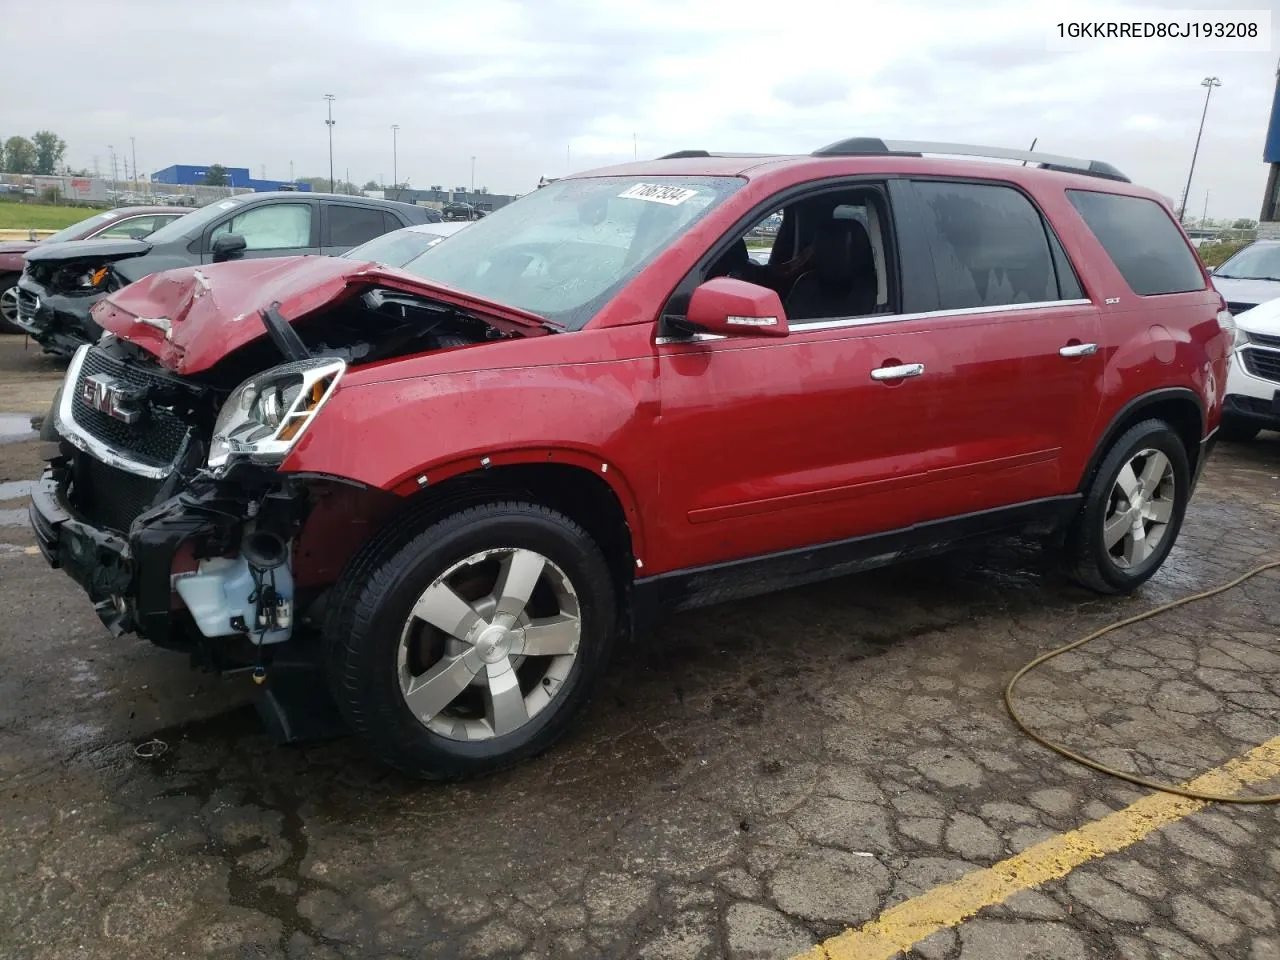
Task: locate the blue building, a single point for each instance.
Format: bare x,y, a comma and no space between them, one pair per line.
193,176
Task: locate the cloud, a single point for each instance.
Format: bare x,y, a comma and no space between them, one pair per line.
518,85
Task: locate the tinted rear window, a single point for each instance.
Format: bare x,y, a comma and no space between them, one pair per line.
1142,241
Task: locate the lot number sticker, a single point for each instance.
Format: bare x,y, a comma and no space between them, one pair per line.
657,193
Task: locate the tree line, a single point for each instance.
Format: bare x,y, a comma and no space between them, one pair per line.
39,154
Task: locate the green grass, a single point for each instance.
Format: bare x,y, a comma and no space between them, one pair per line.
1215,253
39,216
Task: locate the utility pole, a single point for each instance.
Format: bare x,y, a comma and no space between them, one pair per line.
133,149
1209,83
347,188
330,98
115,190
1204,217
473,177
291,171
395,174
635,154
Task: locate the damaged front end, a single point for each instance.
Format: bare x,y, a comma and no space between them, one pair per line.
164,500
207,571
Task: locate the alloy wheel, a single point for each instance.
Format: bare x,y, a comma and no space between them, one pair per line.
489,644
1139,508
9,305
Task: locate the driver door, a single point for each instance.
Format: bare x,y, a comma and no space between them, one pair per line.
284,229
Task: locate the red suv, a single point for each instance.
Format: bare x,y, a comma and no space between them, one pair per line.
454,484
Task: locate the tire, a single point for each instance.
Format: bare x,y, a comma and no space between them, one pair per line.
1124,565
1237,431
381,648
47,430
9,304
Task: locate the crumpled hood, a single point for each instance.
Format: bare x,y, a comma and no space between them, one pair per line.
100,250
192,317
1247,292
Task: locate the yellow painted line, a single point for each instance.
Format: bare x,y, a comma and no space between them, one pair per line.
31,551
899,928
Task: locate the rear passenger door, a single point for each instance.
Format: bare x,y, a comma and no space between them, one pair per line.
277,229
347,225
1016,338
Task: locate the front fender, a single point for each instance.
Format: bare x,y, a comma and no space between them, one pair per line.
403,435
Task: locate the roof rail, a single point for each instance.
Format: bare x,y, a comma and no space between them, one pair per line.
686,154
873,146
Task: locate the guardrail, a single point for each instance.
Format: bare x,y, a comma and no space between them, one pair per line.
25,234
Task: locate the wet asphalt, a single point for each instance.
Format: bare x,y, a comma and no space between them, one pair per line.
751,780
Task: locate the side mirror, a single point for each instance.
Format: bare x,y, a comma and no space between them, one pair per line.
735,308
228,246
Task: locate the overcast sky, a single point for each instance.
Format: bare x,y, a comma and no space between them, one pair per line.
516,85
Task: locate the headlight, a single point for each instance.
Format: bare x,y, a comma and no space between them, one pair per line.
91,279
264,416
1227,324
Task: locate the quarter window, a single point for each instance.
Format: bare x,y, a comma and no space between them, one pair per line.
989,245
1142,241
277,226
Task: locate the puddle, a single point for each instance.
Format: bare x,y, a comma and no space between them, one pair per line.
15,489
15,427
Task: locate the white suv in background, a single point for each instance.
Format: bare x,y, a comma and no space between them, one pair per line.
1252,402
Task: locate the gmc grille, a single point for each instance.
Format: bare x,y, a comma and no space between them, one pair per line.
108,497
154,441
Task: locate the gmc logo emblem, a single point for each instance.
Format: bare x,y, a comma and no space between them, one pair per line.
109,396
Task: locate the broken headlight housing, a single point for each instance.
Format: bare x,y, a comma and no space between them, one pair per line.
264,416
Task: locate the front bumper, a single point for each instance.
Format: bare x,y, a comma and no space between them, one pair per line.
1252,398
59,323
128,580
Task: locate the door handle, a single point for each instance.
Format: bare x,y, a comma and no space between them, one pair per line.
898,372
1078,350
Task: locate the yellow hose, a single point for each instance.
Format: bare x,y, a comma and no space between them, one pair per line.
1102,767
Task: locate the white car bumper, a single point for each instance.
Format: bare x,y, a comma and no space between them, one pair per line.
1253,384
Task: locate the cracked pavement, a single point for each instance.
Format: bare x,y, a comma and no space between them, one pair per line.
752,780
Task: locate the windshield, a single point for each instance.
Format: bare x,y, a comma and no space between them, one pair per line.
396,248
563,250
80,229
193,222
1255,262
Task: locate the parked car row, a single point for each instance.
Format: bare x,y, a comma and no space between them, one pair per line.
127,223
452,481
62,281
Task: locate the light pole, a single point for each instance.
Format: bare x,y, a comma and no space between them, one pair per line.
329,123
473,176
133,149
1209,83
395,175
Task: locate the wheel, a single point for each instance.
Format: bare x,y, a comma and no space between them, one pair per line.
9,305
1237,431
469,645
47,429
1133,510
